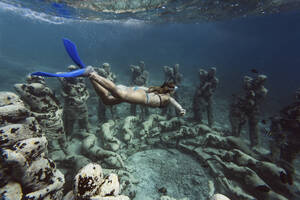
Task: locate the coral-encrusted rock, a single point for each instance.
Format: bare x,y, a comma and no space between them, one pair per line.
219,197
12,109
88,181
119,197
13,133
170,198
11,191
111,186
38,175
89,184
22,156
43,105
31,148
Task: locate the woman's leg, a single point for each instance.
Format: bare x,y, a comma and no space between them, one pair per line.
107,99
107,85
138,97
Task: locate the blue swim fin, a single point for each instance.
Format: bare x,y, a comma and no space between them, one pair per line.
72,51
74,73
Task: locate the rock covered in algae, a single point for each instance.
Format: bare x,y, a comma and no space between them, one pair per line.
43,105
170,198
90,183
23,147
11,191
219,197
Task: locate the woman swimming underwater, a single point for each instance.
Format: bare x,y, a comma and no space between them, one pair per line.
111,94
114,94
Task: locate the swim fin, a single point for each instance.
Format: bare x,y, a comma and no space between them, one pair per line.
72,51
74,73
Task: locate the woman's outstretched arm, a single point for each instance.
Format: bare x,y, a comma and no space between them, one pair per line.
177,106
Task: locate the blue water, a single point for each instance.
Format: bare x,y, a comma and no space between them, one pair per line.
270,44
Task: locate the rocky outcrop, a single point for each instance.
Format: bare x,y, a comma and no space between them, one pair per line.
91,183
26,171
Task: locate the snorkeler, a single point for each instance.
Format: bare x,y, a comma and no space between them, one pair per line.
111,94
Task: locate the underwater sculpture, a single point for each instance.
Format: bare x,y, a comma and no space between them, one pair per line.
285,130
110,142
91,149
112,94
172,74
90,183
106,72
129,123
248,107
237,116
45,107
25,172
75,94
238,172
203,97
150,126
139,77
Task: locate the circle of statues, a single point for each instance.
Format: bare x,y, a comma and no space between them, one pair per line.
35,126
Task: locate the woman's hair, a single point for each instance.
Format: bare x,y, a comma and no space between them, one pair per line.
166,87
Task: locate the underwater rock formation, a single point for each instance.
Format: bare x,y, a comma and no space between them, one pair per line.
90,183
26,172
44,106
170,198
219,197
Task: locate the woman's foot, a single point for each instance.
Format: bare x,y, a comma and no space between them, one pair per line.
88,71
